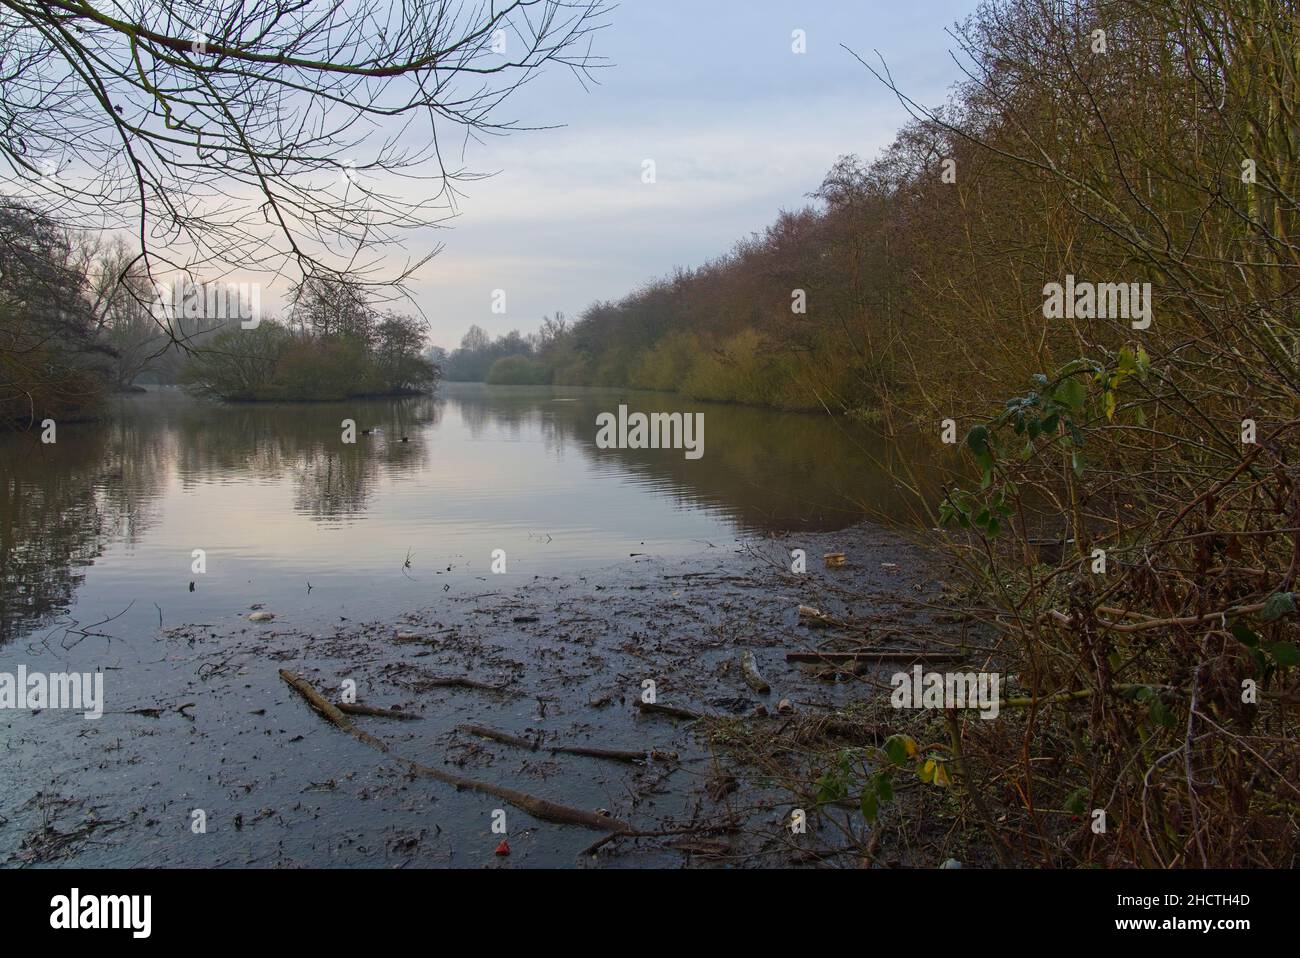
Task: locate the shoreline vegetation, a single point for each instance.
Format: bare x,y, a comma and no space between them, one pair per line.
1122,505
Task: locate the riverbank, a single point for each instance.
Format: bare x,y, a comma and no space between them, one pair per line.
563,659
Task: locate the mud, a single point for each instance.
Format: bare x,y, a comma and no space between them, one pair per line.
558,660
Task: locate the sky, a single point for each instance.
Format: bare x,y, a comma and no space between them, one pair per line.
739,127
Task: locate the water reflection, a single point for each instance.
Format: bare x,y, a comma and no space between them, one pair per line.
480,466
764,470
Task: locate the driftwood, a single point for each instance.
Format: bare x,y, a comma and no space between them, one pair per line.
900,655
540,808
661,833
482,731
328,710
656,709
459,681
359,709
613,754
749,669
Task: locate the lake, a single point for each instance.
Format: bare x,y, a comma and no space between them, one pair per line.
98,531
619,565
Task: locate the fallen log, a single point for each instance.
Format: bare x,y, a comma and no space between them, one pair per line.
328,710
900,655
540,808
660,833
482,731
613,754
656,709
356,708
749,669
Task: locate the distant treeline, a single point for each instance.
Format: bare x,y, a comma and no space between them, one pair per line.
778,321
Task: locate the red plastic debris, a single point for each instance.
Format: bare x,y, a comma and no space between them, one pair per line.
503,848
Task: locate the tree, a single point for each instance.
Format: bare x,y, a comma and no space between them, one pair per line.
398,341
51,363
119,292
475,340
326,306
262,135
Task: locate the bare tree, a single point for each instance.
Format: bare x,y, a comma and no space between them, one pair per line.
329,306
264,135
118,291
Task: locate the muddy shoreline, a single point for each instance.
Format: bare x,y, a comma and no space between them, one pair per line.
558,659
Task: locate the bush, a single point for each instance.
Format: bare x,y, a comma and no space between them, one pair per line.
518,371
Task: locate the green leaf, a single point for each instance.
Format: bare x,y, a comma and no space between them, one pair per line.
1284,654
1075,801
1277,605
1244,635
1072,393
1160,714
831,787
1076,463
1127,361
884,787
870,806
899,748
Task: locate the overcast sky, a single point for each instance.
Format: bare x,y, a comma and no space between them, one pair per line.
738,126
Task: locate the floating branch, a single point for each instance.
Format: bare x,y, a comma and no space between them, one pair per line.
892,655
540,808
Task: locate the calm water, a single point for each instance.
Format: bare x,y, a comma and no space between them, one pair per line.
102,524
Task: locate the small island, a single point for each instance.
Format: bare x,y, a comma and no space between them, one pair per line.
334,345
